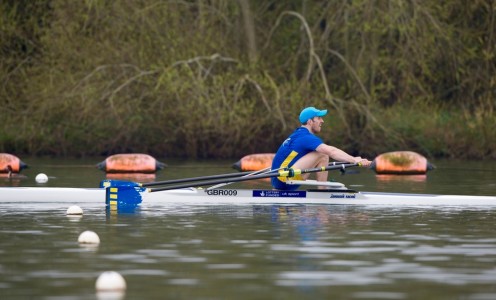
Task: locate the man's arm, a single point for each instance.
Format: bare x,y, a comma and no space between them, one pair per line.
340,155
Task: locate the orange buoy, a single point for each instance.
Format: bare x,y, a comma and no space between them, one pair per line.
130,163
401,162
254,162
139,177
10,163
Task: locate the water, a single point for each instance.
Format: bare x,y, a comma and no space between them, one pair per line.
255,252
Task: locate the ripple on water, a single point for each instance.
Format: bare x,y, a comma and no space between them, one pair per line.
328,278
332,250
450,277
159,252
225,266
379,295
145,272
183,281
467,250
347,263
432,258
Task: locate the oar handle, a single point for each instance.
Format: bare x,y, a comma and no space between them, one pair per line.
281,173
293,172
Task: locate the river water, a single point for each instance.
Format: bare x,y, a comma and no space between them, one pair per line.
255,252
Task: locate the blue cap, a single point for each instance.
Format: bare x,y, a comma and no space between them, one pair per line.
311,112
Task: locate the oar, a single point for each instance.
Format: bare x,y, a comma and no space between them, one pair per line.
209,177
281,173
264,171
267,170
193,179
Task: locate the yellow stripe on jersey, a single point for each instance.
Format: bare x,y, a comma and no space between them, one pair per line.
286,163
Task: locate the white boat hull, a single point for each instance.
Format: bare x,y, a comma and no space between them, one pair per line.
237,196
82,197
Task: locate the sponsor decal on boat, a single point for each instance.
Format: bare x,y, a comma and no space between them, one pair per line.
343,196
279,194
222,192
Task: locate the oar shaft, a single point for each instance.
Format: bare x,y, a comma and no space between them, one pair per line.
208,177
281,173
194,179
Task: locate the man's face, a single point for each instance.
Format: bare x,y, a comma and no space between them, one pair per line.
316,124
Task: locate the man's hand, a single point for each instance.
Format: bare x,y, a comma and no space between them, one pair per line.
362,161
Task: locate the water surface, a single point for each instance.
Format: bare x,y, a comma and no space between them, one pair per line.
255,252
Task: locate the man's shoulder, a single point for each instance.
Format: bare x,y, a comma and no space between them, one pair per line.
301,131
305,133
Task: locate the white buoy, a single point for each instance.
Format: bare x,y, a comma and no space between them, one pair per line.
110,281
41,178
74,210
88,237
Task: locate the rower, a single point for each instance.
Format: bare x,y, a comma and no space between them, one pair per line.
303,149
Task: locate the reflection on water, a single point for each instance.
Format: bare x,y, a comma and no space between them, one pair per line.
392,177
404,183
307,220
11,180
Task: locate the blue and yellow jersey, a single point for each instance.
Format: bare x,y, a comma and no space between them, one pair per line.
298,144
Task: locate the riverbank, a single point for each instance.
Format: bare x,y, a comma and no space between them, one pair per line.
433,132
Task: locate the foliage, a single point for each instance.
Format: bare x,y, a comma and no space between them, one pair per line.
226,78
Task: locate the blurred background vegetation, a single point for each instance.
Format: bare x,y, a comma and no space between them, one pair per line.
225,78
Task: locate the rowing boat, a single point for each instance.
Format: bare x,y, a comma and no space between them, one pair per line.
337,197
115,194
82,196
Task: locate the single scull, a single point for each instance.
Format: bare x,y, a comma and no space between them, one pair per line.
115,194
200,196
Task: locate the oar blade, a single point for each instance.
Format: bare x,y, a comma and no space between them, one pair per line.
122,195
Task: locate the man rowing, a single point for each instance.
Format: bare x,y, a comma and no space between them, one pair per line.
303,150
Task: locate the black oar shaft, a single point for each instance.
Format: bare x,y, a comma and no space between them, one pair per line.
194,179
210,182
281,173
